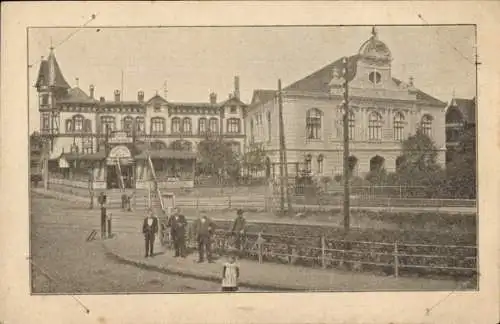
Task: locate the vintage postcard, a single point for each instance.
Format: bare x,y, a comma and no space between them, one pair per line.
246,164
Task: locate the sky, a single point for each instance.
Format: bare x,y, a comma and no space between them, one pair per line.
194,61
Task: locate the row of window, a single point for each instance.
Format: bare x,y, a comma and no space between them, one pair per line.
376,163
257,126
184,125
79,124
375,122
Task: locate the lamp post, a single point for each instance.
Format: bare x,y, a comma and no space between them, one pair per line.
345,107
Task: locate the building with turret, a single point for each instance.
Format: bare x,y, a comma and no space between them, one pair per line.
88,135
383,112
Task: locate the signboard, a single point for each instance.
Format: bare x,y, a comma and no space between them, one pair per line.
121,153
119,138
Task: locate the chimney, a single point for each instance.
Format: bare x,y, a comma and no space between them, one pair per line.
213,98
91,91
237,87
102,99
117,95
140,96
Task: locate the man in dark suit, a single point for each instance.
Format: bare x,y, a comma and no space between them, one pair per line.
177,223
102,201
238,230
204,229
149,229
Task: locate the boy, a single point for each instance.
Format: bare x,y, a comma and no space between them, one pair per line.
230,275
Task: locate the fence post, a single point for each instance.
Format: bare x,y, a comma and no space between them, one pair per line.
260,246
396,260
260,253
400,192
197,202
229,201
323,252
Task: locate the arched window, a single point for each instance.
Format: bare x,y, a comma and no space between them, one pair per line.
45,117
127,125
157,125
139,125
181,145
109,121
202,126
78,123
426,125
186,125
158,145
320,163
399,162
87,126
313,123
376,163
69,126
233,125
352,163
375,126
176,125
213,125
252,130
307,161
352,125
399,126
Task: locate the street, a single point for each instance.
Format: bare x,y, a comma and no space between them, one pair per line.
59,250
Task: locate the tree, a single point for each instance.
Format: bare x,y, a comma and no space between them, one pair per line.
419,165
215,157
461,171
254,159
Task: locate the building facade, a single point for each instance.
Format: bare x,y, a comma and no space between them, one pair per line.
85,132
460,118
383,111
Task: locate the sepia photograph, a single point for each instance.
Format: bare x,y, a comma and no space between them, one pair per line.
252,159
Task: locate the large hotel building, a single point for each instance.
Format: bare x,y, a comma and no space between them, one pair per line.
384,111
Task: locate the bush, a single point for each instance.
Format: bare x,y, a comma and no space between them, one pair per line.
377,177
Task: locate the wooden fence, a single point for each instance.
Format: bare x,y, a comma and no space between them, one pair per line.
395,258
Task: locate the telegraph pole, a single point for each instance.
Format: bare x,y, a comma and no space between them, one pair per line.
346,146
282,150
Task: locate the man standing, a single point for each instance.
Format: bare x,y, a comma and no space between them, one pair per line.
204,229
149,229
102,201
177,224
238,230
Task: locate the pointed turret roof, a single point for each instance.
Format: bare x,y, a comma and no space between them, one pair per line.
50,74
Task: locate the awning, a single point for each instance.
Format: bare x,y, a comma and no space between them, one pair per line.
166,154
98,156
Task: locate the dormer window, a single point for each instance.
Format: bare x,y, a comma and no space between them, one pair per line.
375,77
157,107
233,109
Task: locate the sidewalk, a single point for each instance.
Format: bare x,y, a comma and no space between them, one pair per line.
128,248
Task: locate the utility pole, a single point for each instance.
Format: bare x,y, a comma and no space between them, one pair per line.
282,151
346,112
283,159
45,163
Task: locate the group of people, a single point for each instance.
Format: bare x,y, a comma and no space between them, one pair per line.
203,230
